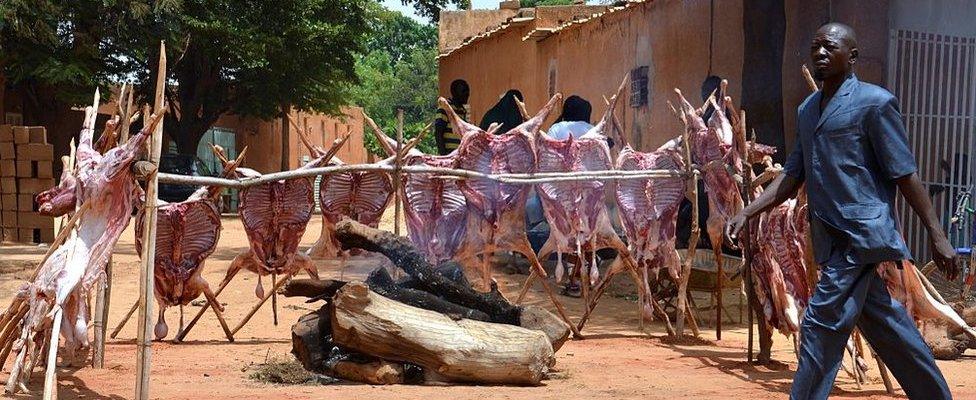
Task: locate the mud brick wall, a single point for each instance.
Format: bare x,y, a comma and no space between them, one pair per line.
26,169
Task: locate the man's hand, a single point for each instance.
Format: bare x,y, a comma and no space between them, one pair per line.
734,226
945,256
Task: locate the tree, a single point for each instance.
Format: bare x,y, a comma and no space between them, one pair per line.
52,54
398,71
251,58
397,34
431,9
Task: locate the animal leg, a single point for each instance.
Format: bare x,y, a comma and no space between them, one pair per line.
594,271
235,267
161,328
274,302
257,306
632,269
580,271
259,288
309,267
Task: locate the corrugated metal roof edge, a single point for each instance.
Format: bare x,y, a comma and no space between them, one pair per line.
557,30
511,21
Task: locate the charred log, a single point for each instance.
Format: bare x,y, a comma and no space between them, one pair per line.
382,283
405,256
313,347
311,339
449,269
312,289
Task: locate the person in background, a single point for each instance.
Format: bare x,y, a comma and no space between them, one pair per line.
447,140
574,121
505,112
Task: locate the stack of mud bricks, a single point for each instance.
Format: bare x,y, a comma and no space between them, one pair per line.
26,169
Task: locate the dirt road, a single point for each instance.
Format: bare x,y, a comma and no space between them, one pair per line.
616,361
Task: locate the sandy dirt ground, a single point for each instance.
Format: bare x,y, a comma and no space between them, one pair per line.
616,361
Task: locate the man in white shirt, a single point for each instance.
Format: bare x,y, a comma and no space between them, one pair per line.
574,121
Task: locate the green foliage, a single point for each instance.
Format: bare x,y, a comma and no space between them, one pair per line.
431,9
253,58
398,71
539,3
51,48
397,34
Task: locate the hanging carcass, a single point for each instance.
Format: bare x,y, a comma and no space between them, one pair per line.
275,215
576,211
106,191
186,234
359,195
778,267
496,211
435,208
648,209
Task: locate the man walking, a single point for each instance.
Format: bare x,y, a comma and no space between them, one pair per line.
852,153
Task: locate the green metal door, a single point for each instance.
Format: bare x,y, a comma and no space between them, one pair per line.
225,138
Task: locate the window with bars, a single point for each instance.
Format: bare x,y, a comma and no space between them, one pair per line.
638,86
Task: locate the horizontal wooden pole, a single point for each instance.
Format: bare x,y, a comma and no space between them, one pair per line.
532,178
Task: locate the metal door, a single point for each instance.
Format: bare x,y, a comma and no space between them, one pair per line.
225,138
934,78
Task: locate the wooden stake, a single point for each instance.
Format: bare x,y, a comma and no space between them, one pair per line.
99,324
223,284
118,328
143,341
747,243
50,374
281,282
812,84
883,370
396,175
692,191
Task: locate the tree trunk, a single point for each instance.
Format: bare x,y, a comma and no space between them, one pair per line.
459,351
285,142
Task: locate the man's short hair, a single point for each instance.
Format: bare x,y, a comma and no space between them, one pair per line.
457,85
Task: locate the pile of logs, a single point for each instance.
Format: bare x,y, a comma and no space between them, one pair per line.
430,327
